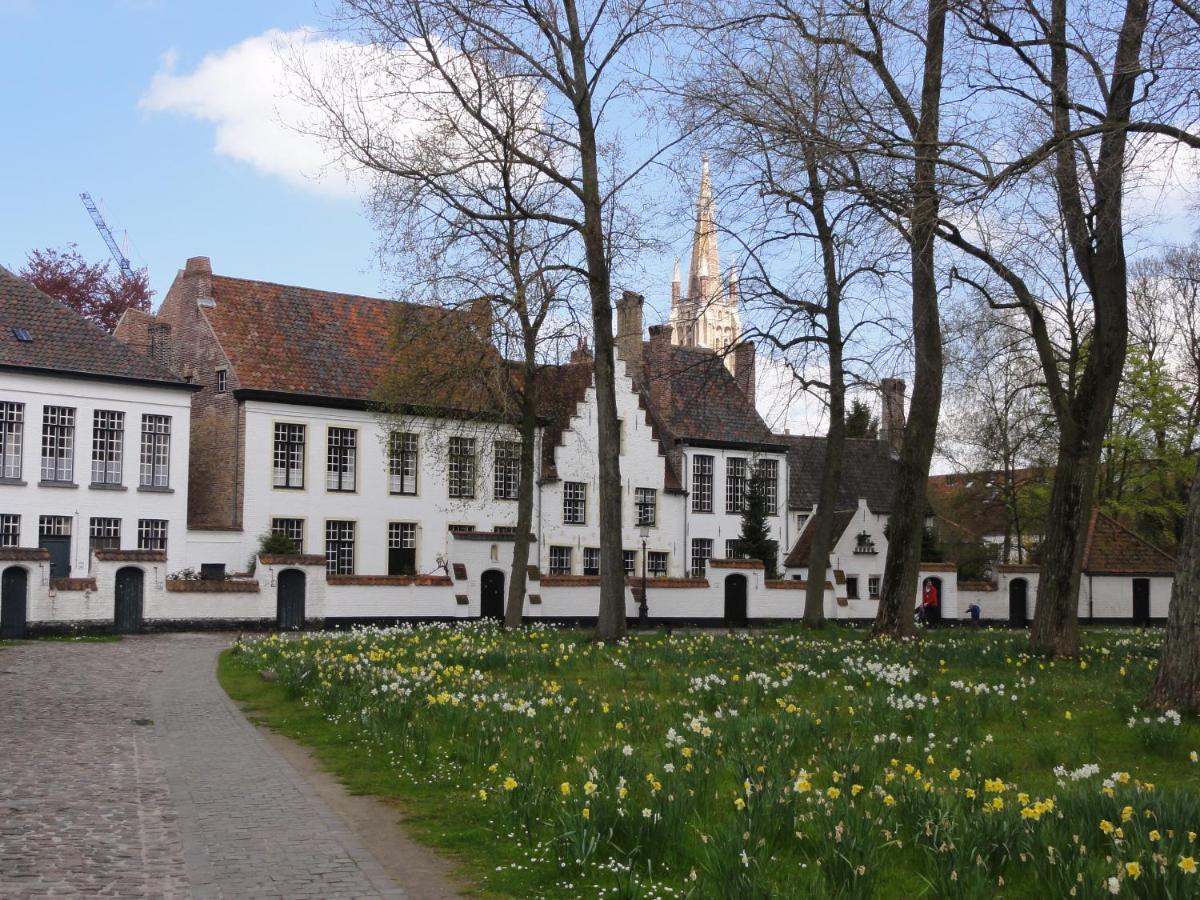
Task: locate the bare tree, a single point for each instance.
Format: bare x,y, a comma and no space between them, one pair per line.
472,67
1076,84
773,104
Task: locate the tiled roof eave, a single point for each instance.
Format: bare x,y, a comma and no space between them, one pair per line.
297,398
731,445
102,376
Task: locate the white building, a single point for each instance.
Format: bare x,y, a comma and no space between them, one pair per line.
94,441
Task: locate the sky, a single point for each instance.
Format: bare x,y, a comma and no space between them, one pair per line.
168,113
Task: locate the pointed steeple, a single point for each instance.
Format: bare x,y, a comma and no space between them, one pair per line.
704,274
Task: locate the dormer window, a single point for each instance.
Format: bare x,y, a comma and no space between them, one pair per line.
864,543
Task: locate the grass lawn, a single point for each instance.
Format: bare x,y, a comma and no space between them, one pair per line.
778,763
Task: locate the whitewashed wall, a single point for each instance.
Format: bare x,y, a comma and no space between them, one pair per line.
82,502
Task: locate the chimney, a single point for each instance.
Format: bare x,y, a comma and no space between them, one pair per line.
892,427
159,334
197,280
743,368
629,333
581,353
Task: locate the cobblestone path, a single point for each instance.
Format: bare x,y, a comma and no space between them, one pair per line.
125,771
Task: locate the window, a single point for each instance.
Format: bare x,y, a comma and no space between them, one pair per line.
591,560
702,486
733,549
629,561
290,528
105,534
402,548
58,443
504,529
54,526
10,530
656,564
156,451
873,587
402,462
108,441
222,381
801,521
768,472
507,476
852,587
289,455
12,434
458,528
735,485
152,534
574,503
701,554
342,450
462,467
646,504
864,543
339,547
560,560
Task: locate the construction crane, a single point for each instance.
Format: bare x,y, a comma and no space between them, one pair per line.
106,233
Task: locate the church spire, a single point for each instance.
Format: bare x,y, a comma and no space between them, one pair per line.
705,273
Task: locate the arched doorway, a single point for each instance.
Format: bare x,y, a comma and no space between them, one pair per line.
1141,601
289,600
14,593
127,613
1018,610
735,601
931,600
491,595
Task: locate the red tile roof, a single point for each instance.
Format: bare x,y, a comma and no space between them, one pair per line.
1112,549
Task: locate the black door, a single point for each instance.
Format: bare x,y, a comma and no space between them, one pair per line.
289,600
60,554
1141,601
491,595
1018,613
13,591
127,617
735,601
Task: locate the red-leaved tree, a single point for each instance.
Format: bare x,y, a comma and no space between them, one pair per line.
88,288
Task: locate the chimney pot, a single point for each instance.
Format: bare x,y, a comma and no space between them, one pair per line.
892,426
743,368
198,265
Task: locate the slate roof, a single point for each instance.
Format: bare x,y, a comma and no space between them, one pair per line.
697,400
297,341
1112,549
869,472
975,500
798,557
64,342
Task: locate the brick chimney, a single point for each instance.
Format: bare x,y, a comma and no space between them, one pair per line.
197,275
891,428
629,333
743,368
581,353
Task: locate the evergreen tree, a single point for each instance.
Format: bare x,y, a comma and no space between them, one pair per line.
755,540
859,421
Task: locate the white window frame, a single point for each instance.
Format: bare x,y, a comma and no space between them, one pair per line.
701,554
574,503
289,455
156,451
12,439
341,459
702,483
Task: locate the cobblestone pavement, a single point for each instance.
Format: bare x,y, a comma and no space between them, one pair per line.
125,771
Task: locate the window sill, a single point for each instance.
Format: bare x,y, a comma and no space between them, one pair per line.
287,487
151,489
402,493
15,482
58,484
103,486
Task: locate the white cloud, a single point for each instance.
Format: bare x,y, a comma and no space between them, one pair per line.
249,95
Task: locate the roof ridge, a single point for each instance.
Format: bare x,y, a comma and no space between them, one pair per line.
348,296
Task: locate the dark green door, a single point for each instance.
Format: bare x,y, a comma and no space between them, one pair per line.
14,589
491,595
289,600
127,614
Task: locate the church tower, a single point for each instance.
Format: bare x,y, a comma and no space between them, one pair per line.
707,315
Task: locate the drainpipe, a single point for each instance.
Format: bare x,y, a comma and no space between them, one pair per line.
685,551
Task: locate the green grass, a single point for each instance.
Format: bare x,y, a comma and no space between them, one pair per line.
780,764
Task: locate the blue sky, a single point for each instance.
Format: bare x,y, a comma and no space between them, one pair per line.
74,124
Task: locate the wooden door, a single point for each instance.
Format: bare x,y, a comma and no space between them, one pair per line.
1018,594
491,595
289,600
14,591
735,601
1141,601
127,613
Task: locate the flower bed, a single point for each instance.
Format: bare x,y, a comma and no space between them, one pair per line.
775,764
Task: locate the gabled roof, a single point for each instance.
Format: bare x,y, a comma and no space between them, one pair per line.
697,400
798,557
1112,549
868,473
976,500
296,341
62,342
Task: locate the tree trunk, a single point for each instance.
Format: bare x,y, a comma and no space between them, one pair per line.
901,570
1177,686
835,440
610,619
514,608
